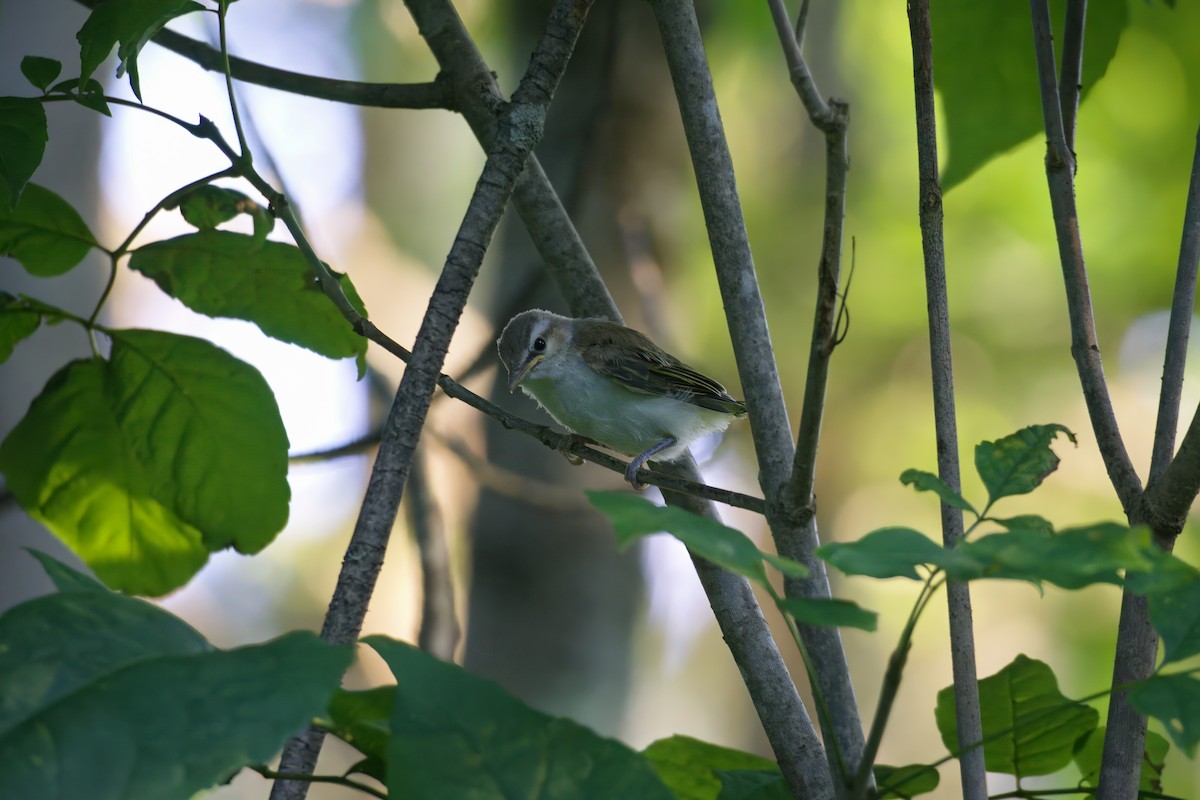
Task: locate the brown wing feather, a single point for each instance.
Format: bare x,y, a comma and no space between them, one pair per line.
630,357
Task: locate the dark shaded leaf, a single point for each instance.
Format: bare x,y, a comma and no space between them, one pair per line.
66,579
1174,604
749,784
456,735
40,71
363,720
17,323
22,143
825,611
1174,700
632,517
44,232
132,23
905,782
1091,750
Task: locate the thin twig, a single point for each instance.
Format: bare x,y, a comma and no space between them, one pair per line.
958,597
519,130
339,780
1070,78
1178,330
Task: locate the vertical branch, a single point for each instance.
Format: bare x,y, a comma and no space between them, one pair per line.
1070,76
1182,302
519,130
958,597
439,632
823,643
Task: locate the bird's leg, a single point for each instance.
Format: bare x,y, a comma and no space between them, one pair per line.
642,458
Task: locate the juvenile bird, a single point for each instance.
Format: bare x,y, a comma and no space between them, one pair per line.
613,385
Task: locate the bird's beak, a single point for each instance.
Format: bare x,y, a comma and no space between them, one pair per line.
515,378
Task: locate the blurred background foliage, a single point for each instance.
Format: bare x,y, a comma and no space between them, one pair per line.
625,643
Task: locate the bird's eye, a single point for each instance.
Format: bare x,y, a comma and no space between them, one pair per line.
539,345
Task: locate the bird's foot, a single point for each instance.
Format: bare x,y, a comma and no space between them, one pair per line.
568,442
637,462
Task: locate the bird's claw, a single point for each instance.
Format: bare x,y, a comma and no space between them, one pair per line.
569,441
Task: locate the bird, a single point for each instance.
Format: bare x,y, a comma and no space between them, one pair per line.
613,385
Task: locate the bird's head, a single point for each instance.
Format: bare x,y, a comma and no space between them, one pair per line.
533,340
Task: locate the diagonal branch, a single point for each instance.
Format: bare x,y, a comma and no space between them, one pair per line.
519,129
1182,302
958,597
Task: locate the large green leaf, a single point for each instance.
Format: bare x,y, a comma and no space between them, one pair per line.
363,720
1091,751
689,766
132,23
632,517
828,611
1071,558
44,233
1018,464
1174,605
161,725
885,553
224,274
144,463
1029,727
1174,700
22,142
456,735
905,782
64,578
985,71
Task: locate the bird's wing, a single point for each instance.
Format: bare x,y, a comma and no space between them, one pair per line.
632,359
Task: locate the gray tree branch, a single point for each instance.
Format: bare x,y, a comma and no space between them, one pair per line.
519,129
958,597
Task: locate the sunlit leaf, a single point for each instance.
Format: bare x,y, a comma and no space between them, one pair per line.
40,71
885,553
224,274
1091,750
144,463
928,482
905,782
825,611
689,766
457,735
1029,727
132,23
22,142
44,233
1018,464
632,517
1174,700
989,94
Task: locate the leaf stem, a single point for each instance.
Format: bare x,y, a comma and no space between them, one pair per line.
222,10
339,780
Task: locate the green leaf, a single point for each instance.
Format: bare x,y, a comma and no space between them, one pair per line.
363,720
1024,522
1029,727
90,96
145,463
1072,558
208,206
166,724
885,553
44,233
224,274
17,323
905,782
689,766
750,784
40,71
1175,607
66,579
456,735
132,23
1018,464
928,482
22,142
989,95
1090,751
825,611
1174,700
632,517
